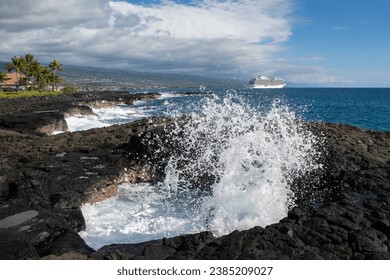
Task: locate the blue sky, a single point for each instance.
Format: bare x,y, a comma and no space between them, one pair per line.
350,39
311,42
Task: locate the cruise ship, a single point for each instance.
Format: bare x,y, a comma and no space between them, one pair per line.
264,82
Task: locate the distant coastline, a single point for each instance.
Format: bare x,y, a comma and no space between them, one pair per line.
103,79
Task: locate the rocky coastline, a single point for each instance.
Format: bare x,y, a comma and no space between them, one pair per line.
43,115
44,179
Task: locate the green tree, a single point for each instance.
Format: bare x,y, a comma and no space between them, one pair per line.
55,80
69,89
34,74
31,69
3,78
55,66
16,65
42,77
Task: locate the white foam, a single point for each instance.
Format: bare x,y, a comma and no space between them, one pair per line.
168,95
83,122
104,117
252,156
138,213
55,132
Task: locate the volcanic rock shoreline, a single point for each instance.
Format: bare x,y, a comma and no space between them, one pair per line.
44,179
44,115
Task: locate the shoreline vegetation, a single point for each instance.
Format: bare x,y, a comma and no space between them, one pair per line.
36,93
22,94
27,78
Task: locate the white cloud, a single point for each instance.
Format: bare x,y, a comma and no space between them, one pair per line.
27,15
207,37
246,20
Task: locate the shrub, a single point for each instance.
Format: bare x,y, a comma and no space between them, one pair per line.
69,89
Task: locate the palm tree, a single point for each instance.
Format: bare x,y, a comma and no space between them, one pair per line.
28,61
16,65
42,76
55,66
3,78
31,68
35,75
54,79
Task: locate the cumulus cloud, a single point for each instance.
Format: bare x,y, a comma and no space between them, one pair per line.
248,20
204,37
26,15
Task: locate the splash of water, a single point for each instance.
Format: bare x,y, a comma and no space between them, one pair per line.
232,169
245,160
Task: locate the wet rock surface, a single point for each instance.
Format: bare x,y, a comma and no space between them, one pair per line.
345,216
54,176
45,179
46,114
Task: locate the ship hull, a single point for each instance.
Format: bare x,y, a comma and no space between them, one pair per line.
269,86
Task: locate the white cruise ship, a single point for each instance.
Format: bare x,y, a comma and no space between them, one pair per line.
264,82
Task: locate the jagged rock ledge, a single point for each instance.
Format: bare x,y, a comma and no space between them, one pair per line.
45,179
47,114
54,175
345,215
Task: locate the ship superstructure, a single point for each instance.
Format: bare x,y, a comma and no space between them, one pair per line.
265,82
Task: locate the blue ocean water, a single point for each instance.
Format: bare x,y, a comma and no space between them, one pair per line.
367,108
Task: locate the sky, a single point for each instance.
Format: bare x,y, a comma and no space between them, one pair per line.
308,42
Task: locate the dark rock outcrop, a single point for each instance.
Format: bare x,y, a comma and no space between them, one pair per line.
343,212
43,115
345,216
55,175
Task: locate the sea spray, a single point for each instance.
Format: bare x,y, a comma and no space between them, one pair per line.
247,160
232,167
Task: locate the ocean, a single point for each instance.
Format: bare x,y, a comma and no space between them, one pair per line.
246,138
367,108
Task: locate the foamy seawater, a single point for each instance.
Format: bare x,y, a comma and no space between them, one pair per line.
231,170
104,117
117,114
140,212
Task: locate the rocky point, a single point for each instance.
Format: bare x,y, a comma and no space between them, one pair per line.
44,179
